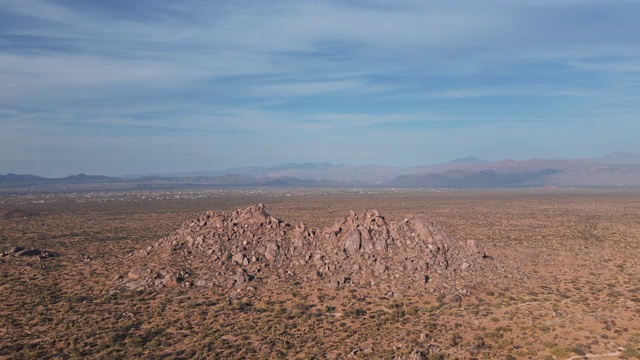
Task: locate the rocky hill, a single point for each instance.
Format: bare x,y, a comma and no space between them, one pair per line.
249,249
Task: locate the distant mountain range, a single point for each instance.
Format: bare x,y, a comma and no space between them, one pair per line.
371,174
612,170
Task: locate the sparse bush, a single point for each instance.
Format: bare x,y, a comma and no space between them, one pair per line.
559,351
630,351
455,340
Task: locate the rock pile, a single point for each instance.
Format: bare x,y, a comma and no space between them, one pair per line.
19,251
249,248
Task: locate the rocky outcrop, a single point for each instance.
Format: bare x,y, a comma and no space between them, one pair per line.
19,251
249,248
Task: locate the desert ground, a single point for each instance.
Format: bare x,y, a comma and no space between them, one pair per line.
569,286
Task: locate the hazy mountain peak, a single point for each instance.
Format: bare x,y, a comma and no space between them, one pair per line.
618,157
468,160
301,166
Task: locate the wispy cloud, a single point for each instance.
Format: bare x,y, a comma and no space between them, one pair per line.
616,65
245,74
508,91
307,88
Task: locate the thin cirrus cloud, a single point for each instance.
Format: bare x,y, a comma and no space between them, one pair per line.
489,79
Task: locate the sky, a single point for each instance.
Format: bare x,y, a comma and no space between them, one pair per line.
139,87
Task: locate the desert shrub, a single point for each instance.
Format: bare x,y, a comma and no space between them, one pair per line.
133,341
631,352
396,305
525,352
455,340
328,308
559,351
115,337
544,328
242,305
477,343
302,307
397,314
359,312
579,350
493,335
414,311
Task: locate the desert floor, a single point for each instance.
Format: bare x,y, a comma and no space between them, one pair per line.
573,289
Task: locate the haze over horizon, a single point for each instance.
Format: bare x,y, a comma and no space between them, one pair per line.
139,87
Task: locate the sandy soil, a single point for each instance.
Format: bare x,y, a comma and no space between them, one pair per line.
573,289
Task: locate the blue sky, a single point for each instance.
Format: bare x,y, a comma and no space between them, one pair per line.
135,87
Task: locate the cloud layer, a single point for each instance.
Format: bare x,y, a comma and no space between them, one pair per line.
138,87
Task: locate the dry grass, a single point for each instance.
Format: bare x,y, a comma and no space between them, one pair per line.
574,287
